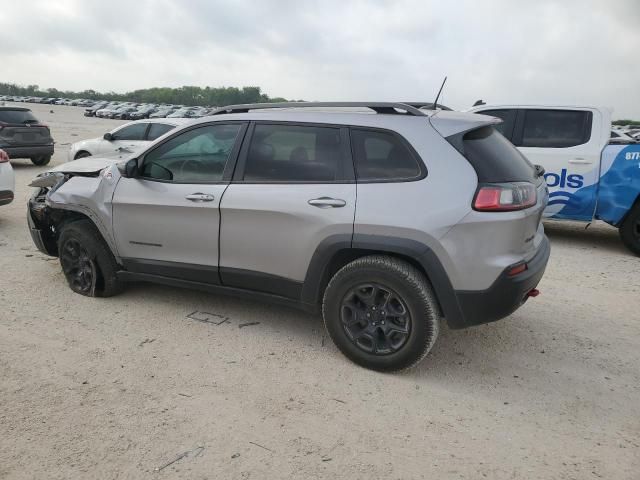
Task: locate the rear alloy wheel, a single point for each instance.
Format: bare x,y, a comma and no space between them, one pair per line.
630,230
381,313
375,318
41,160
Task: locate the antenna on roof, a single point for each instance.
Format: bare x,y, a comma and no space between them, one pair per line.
435,103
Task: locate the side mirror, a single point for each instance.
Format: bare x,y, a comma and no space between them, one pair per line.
129,169
107,136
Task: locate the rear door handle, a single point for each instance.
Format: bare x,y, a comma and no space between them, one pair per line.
327,202
200,197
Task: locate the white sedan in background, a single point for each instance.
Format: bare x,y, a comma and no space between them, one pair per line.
7,179
125,139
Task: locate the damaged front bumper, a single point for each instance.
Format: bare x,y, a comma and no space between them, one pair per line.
42,232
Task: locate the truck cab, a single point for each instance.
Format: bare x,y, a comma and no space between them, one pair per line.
589,176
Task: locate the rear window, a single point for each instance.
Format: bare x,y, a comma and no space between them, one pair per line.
493,157
556,128
17,116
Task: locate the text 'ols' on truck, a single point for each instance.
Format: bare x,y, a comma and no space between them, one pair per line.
589,177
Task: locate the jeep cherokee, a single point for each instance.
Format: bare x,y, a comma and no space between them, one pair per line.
386,217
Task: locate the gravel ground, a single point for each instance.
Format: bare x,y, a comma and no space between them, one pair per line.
227,388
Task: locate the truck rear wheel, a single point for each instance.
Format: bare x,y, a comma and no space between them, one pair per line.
630,230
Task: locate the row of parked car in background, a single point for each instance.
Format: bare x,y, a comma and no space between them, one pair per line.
120,110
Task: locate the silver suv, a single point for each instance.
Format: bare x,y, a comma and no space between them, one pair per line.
386,217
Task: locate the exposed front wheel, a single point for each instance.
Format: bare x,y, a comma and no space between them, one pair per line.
87,262
41,160
381,313
630,230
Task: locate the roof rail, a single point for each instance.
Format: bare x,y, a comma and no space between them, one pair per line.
378,107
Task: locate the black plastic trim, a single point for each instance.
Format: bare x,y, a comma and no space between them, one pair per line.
260,282
184,271
506,294
430,263
126,276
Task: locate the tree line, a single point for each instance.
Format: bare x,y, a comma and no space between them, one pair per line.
186,95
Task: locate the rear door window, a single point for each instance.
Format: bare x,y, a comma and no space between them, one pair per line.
555,128
294,153
508,116
383,156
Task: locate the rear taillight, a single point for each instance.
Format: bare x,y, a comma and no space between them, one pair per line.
4,157
505,197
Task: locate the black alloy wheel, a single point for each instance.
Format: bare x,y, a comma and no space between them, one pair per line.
375,318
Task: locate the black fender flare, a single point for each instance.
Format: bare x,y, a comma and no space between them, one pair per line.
318,271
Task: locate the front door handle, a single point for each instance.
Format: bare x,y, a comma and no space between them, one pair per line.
200,197
327,202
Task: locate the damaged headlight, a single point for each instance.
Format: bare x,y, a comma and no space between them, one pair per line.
51,180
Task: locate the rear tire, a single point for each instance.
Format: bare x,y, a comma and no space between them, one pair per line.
630,230
41,160
381,313
87,262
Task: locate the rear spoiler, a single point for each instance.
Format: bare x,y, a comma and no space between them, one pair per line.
452,123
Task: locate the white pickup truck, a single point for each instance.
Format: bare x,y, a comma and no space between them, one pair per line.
589,176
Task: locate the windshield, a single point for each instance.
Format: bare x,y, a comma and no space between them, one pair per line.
17,116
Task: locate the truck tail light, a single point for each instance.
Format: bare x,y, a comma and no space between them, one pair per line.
505,197
4,157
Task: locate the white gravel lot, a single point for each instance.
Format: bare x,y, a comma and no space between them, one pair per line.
120,387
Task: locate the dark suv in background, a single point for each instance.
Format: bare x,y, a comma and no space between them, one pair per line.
23,136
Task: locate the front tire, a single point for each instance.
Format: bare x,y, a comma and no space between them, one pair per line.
381,313
81,154
41,160
630,230
87,262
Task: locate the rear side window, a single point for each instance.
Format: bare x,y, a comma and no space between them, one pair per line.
508,117
132,132
293,153
17,116
555,128
382,156
493,157
158,129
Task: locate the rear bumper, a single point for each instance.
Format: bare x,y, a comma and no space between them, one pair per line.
6,197
28,151
506,294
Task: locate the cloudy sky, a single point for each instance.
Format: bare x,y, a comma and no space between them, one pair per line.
554,51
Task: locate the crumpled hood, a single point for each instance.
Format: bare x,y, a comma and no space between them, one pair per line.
86,165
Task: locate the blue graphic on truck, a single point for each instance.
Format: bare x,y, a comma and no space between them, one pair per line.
614,192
